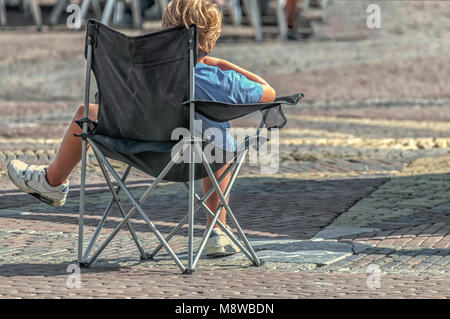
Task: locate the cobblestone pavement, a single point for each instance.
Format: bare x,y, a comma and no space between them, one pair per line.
359,206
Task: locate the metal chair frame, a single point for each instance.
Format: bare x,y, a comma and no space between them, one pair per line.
191,145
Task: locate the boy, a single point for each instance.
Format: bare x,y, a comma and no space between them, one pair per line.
215,79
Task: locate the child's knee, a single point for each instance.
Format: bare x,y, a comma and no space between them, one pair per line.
93,110
80,113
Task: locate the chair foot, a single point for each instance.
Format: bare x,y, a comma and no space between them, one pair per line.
261,263
147,257
188,271
83,265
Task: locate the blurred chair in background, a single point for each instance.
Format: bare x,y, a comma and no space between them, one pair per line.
116,10
31,6
254,13
254,16
300,14
234,7
61,5
132,12
3,20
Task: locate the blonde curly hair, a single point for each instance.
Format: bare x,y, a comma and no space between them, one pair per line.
203,13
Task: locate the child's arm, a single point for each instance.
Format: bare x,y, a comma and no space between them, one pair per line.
268,92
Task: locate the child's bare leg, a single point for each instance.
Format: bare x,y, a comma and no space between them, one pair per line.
69,152
213,201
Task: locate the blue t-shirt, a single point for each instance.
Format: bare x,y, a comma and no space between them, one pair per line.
213,84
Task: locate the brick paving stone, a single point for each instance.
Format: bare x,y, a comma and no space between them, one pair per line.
401,242
432,229
432,240
280,285
443,243
416,242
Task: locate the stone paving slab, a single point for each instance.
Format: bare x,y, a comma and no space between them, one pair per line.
319,253
338,232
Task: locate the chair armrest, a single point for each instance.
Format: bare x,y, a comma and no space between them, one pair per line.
223,112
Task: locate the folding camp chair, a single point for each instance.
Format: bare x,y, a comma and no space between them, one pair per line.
145,91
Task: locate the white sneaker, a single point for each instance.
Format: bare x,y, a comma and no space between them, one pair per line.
31,179
220,245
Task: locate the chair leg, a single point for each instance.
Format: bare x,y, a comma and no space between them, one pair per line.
255,258
136,207
36,13
56,12
136,12
215,215
121,209
107,11
235,167
253,12
83,155
281,17
119,12
82,202
191,203
229,234
97,9
192,149
105,215
198,205
235,12
147,220
3,20
84,8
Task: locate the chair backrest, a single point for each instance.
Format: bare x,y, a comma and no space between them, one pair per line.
142,81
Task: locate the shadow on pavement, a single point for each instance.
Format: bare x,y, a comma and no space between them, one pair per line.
265,206
26,269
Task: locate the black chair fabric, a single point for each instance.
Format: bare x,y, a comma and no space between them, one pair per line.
142,82
153,162
143,94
